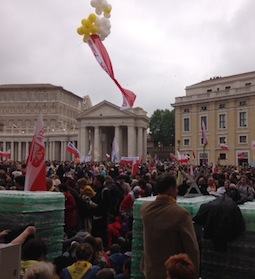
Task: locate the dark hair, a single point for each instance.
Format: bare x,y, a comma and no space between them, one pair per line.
164,182
105,273
34,249
84,251
100,178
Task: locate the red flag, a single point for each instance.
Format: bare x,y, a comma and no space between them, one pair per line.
194,155
6,154
103,59
204,136
224,146
72,149
36,172
240,156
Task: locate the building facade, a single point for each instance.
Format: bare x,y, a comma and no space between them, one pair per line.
100,124
226,106
67,118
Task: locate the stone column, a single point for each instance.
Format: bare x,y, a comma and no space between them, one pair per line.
140,142
19,151
27,149
144,144
117,137
84,141
64,150
12,150
96,144
131,141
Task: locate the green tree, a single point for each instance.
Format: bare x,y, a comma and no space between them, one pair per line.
162,127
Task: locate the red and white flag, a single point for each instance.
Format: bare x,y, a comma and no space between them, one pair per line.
72,149
240,155
104,60
35,179
224,146
6,154
204,136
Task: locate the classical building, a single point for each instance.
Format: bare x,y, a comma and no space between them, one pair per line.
226,105
98,125
67,117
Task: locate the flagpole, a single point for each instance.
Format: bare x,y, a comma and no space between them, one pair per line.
204,159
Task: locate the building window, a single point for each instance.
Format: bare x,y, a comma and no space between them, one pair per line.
186,110
248,84
221,106
222,140
227,87
223,156
203,158
186,142
204,108
242,103
209,90
186,125
242,119
222,121
242,139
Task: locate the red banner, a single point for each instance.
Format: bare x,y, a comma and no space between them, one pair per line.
36,171
104,60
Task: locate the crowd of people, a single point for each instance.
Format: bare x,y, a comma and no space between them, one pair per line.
99,200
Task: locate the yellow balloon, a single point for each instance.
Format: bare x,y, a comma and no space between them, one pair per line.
85,38
83,22
108,9
94,29
88,24
80,31
92,18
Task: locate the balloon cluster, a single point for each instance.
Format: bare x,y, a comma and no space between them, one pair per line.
94,25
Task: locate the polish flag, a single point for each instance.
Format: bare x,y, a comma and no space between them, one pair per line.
205,139
35,179
104,60
72,149
224,146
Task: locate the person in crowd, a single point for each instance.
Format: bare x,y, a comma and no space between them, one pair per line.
164,237
125,186
117,258
222,189
33,251
40,270
22,237
180,266
71,215
82,268
211,186
49,185
245,188
105,273
20,182
126,274
100,209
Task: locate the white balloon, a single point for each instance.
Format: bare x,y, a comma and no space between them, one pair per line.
93,3
107,15
98,11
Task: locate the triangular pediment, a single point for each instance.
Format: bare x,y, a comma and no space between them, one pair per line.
104,109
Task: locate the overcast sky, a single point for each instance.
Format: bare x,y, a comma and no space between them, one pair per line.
157,48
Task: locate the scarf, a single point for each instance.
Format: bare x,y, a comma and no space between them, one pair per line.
79,269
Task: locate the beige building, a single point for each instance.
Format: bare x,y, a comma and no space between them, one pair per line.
226,105
67,117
